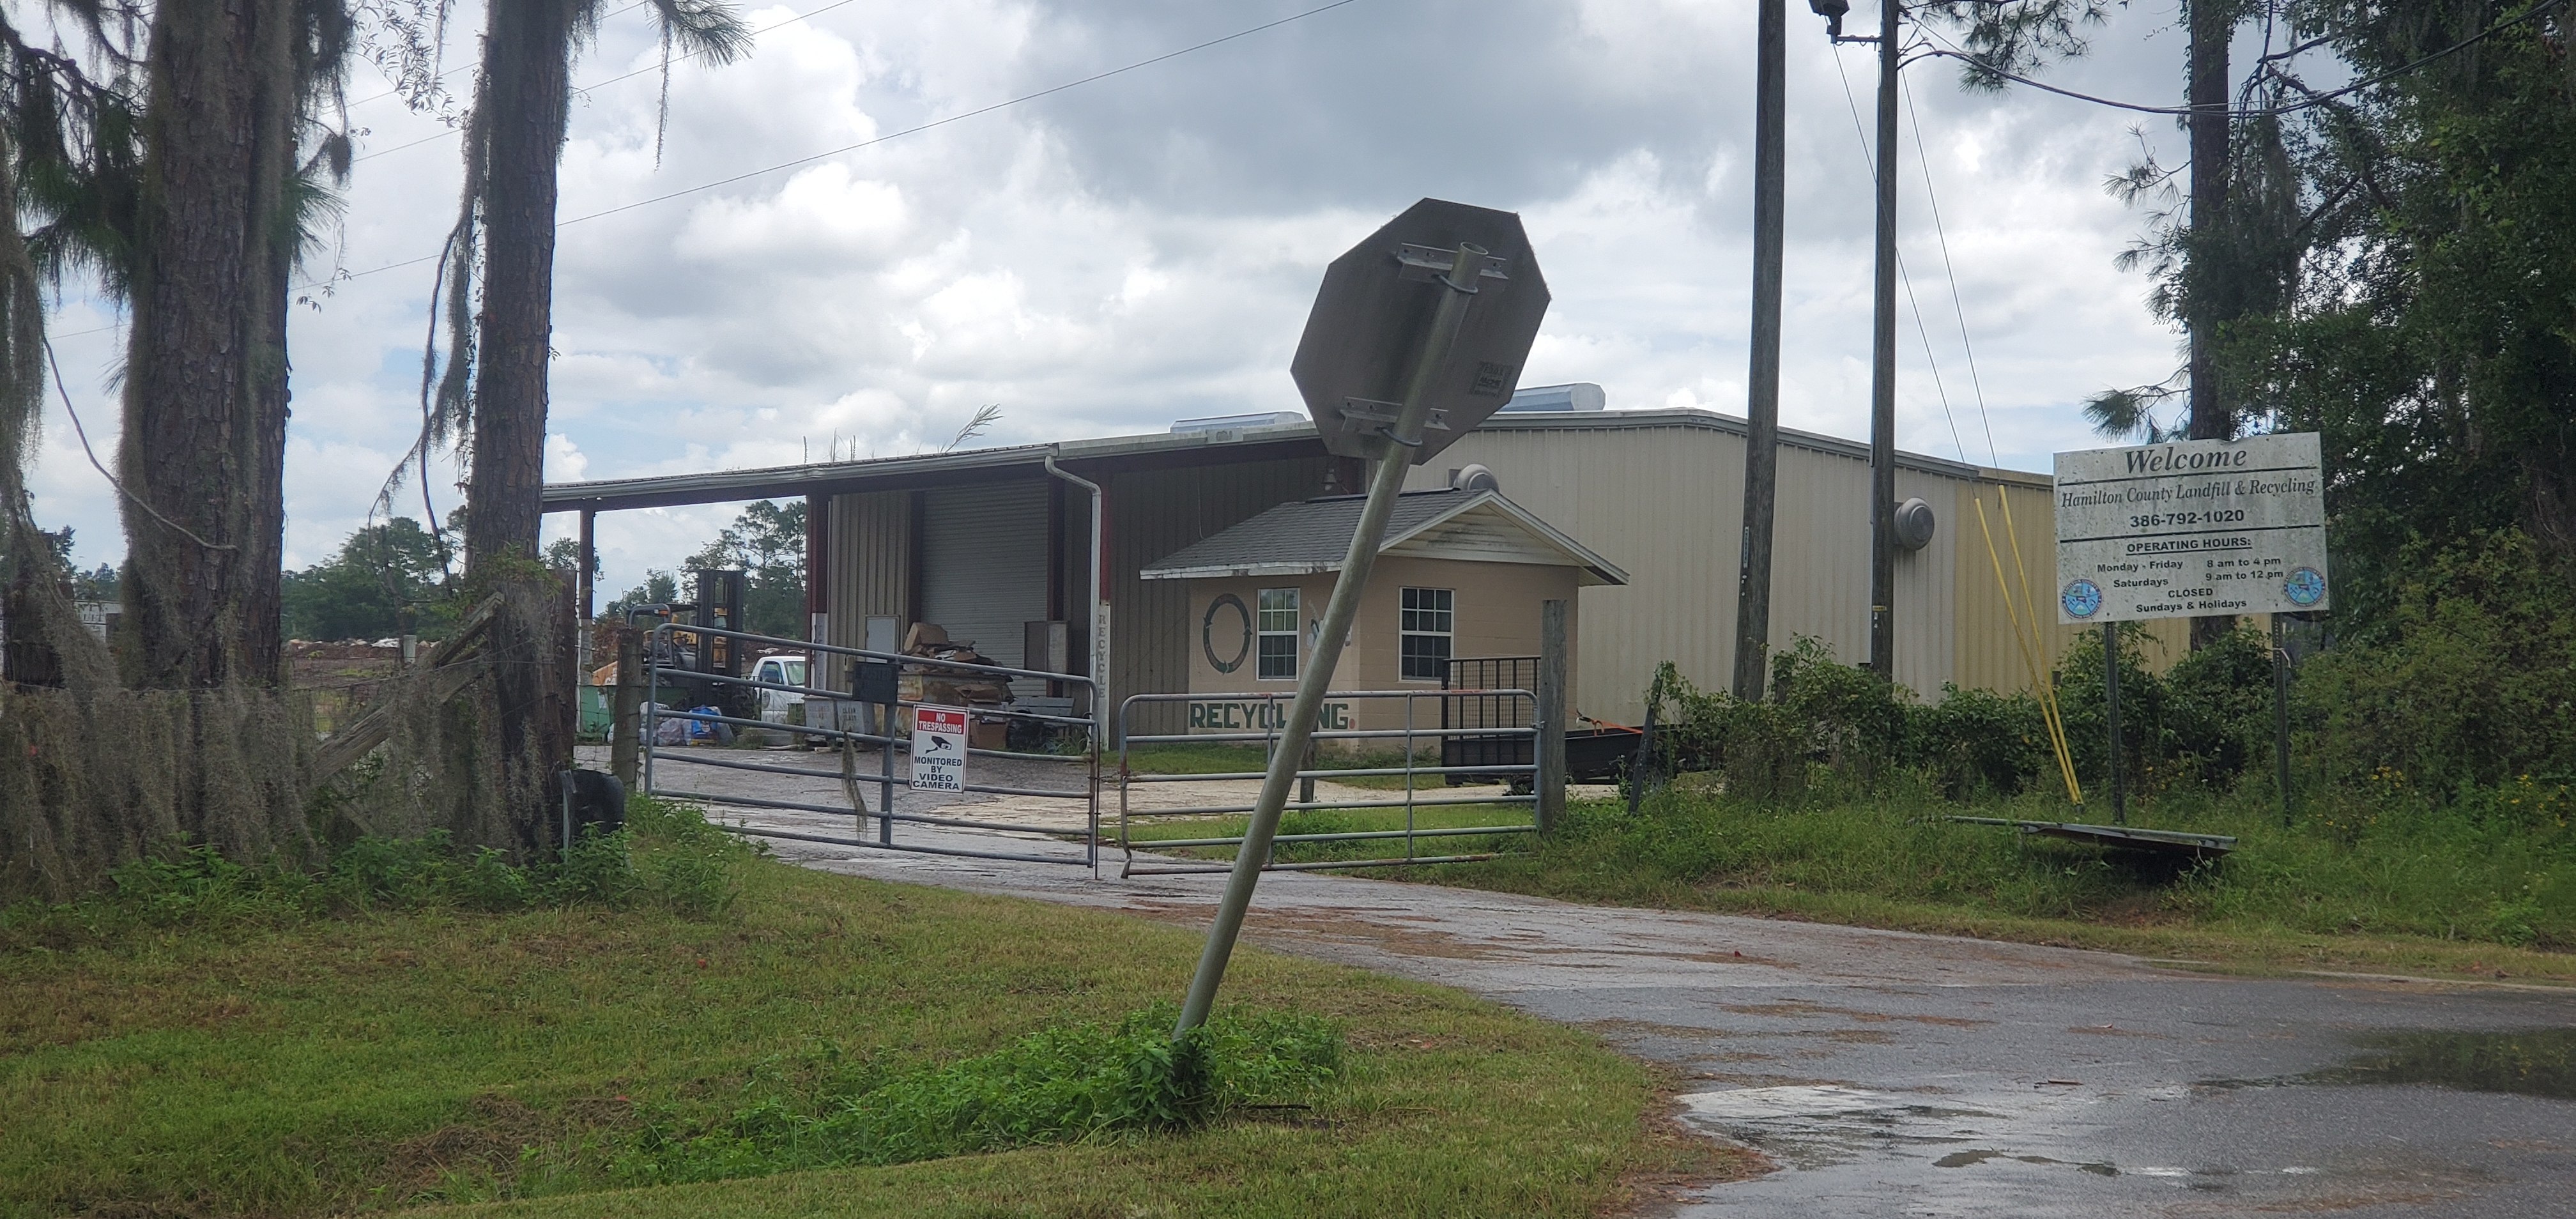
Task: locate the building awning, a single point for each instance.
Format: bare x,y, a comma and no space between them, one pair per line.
1315,536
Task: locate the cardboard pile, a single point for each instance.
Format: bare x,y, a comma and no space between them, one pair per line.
931,683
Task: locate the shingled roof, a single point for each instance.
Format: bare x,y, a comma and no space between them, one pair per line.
1314,536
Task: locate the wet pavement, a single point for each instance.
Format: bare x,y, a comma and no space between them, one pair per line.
1895,1074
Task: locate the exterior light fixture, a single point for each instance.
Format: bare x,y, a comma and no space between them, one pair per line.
1832,11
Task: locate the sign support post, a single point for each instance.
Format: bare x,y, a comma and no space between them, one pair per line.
2281,711
2111,686
1459,289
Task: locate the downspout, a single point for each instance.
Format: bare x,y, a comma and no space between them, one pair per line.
1096,622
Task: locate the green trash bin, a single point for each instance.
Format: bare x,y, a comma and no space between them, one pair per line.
596,719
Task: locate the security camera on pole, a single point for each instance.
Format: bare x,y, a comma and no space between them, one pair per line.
1417,335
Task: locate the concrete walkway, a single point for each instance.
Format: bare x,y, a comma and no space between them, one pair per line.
1897,1074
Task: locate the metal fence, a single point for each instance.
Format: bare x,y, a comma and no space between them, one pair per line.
1486,726
1413,741
875,722
1461,706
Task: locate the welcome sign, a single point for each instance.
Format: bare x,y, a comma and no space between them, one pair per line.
2192,527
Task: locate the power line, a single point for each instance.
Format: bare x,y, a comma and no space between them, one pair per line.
869,143
680,58
1026,97
1950,267
377,97
1940,390
2311,101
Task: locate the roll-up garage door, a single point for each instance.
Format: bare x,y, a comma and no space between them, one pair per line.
984,565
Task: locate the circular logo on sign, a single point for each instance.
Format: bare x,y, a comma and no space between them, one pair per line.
2306,586
2082,599
1243,636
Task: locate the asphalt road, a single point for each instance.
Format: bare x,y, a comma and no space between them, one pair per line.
1896,1074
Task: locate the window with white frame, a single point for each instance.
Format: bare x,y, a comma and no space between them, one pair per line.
1429,621
1278,634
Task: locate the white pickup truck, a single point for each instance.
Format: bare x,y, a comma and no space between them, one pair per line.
779,706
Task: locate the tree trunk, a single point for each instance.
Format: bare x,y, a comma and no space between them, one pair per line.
527,58
2212,22
205,382
524,99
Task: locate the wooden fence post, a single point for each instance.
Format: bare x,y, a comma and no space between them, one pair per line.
625,730
1552,700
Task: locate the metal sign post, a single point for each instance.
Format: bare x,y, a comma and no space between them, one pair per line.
2281,711
1416,337
2111,700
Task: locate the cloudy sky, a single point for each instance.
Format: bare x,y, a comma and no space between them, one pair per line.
1143,248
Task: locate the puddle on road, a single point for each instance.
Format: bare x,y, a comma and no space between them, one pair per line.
1962,1159
2530,1062
1814,1126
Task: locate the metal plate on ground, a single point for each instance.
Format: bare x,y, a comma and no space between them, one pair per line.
1374,311
2121,837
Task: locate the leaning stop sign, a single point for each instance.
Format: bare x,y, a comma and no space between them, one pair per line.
1374,312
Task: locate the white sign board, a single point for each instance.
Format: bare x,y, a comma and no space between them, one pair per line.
2192,527
938,749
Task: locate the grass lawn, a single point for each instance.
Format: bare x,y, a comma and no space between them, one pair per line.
503,1063
2437,896
2343,889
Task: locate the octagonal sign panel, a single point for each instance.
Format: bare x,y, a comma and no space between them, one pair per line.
1372,319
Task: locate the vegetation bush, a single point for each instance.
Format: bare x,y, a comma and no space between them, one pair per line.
2466,688
2469,682
1056,1085
2434,747
667,855
2206,720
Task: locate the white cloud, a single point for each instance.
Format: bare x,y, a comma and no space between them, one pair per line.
1144,248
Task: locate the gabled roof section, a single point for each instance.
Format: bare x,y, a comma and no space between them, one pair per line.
1315,536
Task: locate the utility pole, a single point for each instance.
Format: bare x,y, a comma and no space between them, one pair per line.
1762,381
1882,377
2213,417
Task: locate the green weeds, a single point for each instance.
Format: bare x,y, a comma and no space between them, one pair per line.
2475,869
667,855
1057,1085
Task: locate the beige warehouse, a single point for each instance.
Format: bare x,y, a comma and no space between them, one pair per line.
1661,493
994,544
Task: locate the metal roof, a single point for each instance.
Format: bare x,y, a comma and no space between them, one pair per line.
920,469
1225,444
1315,536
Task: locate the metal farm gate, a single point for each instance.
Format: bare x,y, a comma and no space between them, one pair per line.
1500,716
1057,759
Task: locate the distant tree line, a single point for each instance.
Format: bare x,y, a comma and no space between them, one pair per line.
767,544
393,578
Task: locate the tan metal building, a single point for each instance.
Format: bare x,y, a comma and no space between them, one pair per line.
1661,492
988,542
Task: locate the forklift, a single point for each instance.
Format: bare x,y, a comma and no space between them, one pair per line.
687,658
